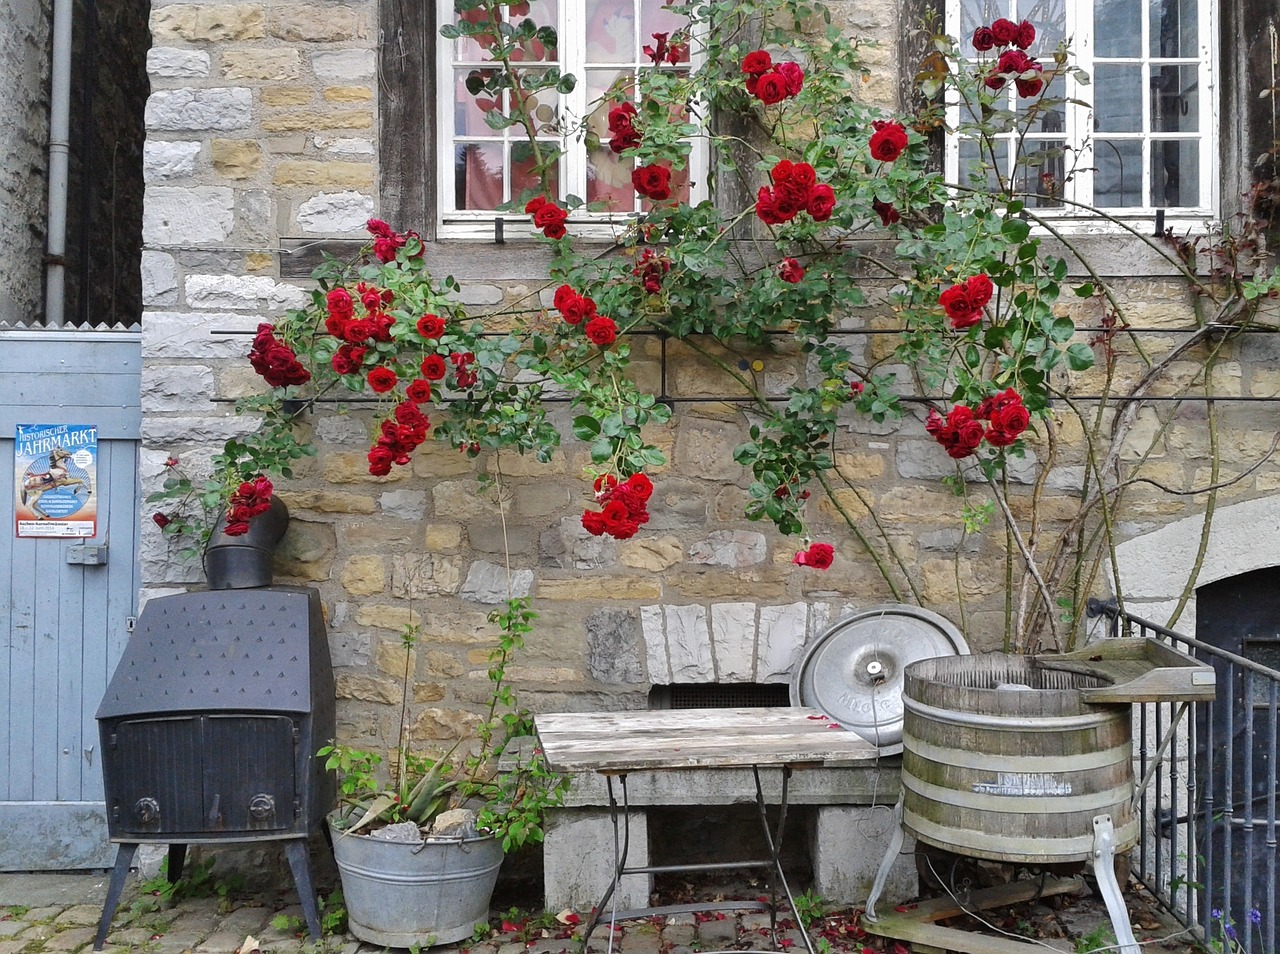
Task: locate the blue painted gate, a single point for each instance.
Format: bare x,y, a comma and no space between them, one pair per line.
66,605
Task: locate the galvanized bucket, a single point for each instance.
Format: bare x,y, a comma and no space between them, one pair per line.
1004,760
401,895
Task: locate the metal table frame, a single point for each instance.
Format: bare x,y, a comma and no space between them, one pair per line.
613,745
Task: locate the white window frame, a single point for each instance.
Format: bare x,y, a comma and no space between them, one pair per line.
453,223
1078,127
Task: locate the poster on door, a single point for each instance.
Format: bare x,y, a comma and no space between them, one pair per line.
55,480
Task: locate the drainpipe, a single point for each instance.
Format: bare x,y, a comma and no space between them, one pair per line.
59,149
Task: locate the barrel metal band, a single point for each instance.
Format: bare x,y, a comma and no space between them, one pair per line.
1001,723
985,844
1104,758
1027,804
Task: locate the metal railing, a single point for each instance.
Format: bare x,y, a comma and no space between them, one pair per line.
1208,844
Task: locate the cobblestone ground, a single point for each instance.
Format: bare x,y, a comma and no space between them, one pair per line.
64,922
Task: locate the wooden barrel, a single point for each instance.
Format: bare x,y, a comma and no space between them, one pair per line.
1002,760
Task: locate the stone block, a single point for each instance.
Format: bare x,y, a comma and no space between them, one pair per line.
347,94
614,640
491,584
344,146
169,160
236,158
212,22
688,640
170,62
304,120
171,335
343,66
341,212
847,845
364,575
732,548
577,864
306,23
783,630
171,387
733,641
590,588
181,109
175,216
286,96
159,278
404,504
272,65
243,292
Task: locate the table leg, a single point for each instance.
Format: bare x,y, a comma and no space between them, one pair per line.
773,840
621,846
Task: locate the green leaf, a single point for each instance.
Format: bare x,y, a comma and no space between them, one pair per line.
601,450
1079,357
1062,329
586,427
1015,230
1084,291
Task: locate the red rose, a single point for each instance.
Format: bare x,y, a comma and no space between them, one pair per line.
381,380
343,362
371,299
888,214
384,249
1030,87
601,331
983,39
757,63
888,141
792,75
652,181
856,388
161,520
1005,31
433,367
380,459
959,307
358,331
379,229
1026,35
620,117
620,142
534,204
549,215
771,88
767,208
340,304
781,172
819,556
578,308
822,202
563,295
419,389
1012,419
1013,61
593,522
641,486
803,176
980,288
789,270
431,326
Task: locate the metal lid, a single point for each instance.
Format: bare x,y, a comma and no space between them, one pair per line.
853,671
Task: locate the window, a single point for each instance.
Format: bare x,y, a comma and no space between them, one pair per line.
1142,135
601,42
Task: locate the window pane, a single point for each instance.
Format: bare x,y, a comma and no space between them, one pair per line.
1117,98
1175,174
1117,27
523,172
543,13
1175,98
1050,20
1041,173
611,32
1174,28
469,111
1117,177
976,163
976,13
609,182
656,16
544,107
477,171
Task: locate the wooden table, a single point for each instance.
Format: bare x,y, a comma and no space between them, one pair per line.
616,743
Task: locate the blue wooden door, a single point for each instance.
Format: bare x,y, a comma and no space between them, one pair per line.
66,605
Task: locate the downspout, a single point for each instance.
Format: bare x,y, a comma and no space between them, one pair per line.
59,150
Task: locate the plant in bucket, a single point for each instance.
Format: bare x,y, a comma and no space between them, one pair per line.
418,849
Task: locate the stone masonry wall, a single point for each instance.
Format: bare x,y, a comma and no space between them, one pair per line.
24,114
261,126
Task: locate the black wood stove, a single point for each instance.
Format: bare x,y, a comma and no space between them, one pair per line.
210,726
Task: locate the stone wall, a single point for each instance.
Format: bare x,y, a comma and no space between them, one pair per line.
24,115
261,128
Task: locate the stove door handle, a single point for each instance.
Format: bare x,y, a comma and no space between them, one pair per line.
215,814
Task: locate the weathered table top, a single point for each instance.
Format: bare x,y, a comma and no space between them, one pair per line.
619,742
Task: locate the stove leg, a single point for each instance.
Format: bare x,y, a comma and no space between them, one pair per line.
296,852
177,858
124,861
1104,869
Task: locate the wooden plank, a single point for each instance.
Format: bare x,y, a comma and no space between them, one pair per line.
694,738
1139,669
406,114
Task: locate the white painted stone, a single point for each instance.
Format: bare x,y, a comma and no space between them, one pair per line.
735,548
847,845
173,334
655,645
343,66
344,146
173,216
168,61
577,864
733,641
476,293
489,583
342,429
689,644
159,278
1242,537
171,431
404,504
174,387
169,160
335,212
243,292
781,641
218,108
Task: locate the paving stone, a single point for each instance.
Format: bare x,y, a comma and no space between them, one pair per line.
34,915
717,934
11,946
11,927
72,939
